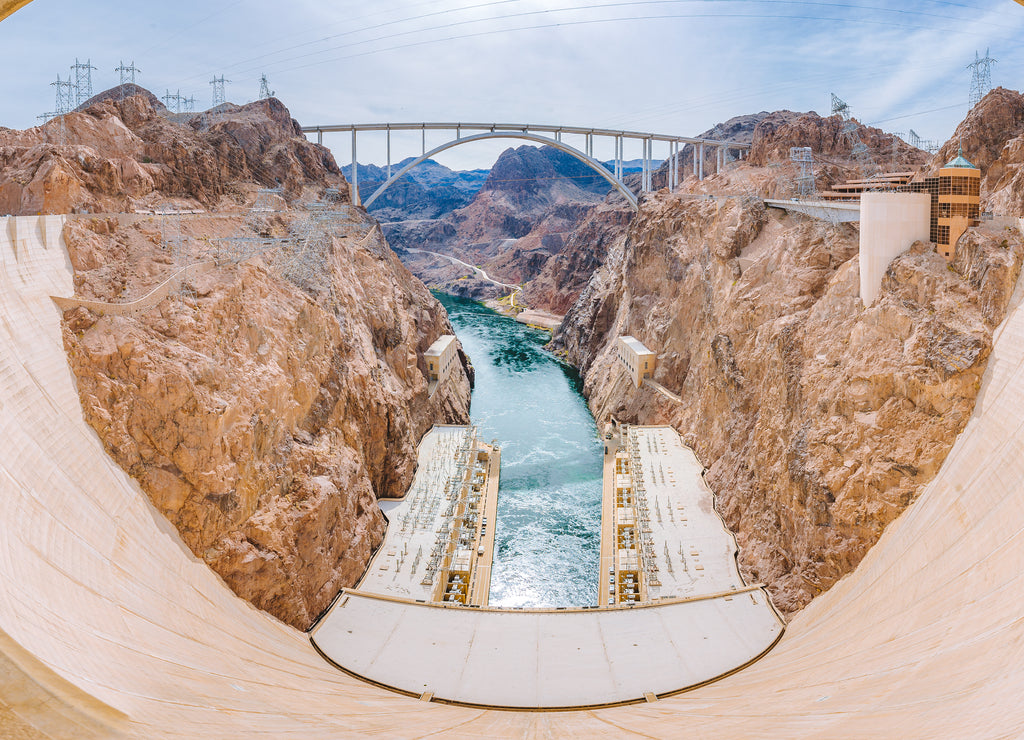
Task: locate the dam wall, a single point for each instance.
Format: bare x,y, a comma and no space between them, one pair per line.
110,627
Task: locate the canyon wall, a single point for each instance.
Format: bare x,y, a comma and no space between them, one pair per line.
266,405
264,420
819,420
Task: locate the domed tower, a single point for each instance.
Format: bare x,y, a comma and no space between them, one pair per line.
959,203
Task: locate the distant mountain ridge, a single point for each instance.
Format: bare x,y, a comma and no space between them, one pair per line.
428,191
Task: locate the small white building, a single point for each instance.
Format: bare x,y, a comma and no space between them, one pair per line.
638,361
441,356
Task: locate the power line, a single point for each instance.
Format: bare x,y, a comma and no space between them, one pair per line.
598,6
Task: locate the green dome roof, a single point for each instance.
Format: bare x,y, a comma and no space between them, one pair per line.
960,161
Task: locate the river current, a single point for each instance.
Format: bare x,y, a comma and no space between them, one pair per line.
547,533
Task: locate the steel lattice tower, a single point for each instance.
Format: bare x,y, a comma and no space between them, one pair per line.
265,91
802,156
82,80
859,149
218,90
981,77
127,75
64,97
174,99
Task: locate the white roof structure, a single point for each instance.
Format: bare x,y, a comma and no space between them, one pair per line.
636,345
415,520
694,550
440,344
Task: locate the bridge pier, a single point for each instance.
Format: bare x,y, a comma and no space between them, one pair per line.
389,152
355,173
700,174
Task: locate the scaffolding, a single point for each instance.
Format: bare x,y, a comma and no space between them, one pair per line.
803,157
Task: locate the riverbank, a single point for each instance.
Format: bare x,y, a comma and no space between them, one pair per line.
532,317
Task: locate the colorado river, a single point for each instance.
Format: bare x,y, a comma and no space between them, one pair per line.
548,527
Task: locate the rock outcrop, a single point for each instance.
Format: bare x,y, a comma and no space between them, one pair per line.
532,200
265,407
126,155
428,191
263,420
992,137
819,420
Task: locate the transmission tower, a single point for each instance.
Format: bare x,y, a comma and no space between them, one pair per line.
981,77
802,156
218,90
265,91
82,80
188,105
175,100
859,149
127,75
928,145
62,104
65,95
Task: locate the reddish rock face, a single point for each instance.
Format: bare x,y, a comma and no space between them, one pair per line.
819,420
988,128
774,136
265,415
992,137
261,419
121,155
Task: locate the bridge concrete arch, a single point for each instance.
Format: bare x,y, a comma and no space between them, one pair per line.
559,145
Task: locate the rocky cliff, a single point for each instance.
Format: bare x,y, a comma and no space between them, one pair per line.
266,406
819,420
992,138
428,191
533,198
126,155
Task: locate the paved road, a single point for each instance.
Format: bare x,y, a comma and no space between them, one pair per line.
480,271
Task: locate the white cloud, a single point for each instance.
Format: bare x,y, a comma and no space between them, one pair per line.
600,66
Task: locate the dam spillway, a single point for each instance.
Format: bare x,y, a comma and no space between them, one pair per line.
406,625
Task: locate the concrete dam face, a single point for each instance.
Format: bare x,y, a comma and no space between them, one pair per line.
110,627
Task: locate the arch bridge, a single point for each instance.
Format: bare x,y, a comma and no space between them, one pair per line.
464,133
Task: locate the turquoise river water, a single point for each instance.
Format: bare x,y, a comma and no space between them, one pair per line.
547,535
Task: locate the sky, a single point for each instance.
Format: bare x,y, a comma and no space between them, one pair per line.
663,66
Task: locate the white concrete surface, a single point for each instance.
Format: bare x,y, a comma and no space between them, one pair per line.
415,521
546,658
889,224
109,627
694,551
